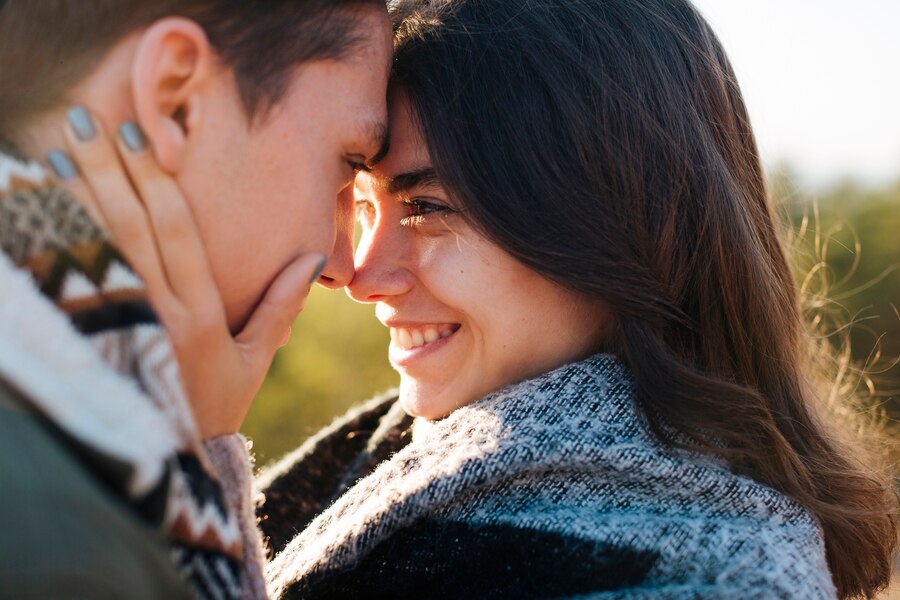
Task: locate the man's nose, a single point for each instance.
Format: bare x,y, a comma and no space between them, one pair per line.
338,270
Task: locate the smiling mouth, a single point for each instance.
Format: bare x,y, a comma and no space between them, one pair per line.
410,338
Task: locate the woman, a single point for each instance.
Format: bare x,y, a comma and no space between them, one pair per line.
596,330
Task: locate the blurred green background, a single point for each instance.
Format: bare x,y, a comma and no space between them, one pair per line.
338,354
337,357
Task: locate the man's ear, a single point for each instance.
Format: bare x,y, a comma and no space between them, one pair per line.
171,67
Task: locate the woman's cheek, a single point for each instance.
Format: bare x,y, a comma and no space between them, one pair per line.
453,270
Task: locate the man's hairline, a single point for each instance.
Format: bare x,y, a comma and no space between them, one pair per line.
258,114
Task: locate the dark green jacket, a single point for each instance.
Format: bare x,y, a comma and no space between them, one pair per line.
62,534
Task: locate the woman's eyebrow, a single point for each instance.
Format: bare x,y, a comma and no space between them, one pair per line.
412,179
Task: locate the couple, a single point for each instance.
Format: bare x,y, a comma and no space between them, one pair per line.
606,386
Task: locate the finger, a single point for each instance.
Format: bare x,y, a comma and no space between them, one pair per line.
104,175
177,237
68,177
279,308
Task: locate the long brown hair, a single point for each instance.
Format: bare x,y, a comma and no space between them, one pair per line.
606,145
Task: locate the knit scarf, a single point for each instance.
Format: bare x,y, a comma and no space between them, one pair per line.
549,488
80,341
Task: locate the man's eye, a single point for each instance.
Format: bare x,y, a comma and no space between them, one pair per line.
365,213
356,166
356,162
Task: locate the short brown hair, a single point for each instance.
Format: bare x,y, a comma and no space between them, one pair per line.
48,46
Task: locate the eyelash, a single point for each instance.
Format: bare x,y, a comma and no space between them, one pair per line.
417,204
412,220
356,167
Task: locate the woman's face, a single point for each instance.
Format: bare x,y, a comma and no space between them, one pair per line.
465,318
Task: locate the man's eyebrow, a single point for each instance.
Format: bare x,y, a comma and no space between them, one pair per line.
412,179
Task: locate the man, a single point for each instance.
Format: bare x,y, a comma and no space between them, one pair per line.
260,111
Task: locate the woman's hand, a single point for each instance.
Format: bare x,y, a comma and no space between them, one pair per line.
147,217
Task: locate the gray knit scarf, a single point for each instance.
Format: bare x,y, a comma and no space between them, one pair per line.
548,488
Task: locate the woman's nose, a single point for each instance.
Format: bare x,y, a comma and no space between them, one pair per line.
339,269
382,265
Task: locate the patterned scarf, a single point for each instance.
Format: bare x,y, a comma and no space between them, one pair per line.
142,443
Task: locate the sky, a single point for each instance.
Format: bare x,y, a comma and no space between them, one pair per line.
821,79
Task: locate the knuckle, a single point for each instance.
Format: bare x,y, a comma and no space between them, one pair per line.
129,228
173,322
169,222
206,323
285,321
94,158
188,333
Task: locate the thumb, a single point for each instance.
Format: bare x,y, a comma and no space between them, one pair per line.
285,298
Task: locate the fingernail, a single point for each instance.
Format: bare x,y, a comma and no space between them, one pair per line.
318,272
133,137
82,125
62,165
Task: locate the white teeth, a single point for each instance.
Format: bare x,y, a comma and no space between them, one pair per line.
408,339
404,339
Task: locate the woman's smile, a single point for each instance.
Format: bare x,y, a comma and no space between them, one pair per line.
412,342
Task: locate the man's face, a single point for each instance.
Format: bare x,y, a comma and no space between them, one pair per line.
266,193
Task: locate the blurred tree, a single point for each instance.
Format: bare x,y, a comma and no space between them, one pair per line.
847,246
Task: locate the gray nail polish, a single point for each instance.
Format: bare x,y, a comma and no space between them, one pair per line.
62,165
318,271
82,125
133,137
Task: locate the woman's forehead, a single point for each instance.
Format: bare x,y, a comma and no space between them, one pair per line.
407,149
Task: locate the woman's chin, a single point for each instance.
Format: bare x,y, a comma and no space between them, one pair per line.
430,402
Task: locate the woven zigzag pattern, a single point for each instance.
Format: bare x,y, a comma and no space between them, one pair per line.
212,575
35,220
93,261
48,234
16,172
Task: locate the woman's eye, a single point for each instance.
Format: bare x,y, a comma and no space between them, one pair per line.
421,211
